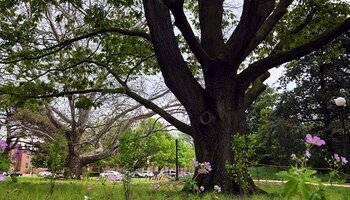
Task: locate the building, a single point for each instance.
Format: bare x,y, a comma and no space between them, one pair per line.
22,161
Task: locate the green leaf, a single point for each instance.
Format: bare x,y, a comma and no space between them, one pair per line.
291,188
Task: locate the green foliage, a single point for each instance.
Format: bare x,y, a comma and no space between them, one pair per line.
4,163
297,183
55,158
243,147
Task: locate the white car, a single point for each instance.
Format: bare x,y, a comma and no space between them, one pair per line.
111,174
169,173
45,174
147,174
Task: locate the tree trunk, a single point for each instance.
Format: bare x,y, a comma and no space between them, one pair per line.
74,160
213,143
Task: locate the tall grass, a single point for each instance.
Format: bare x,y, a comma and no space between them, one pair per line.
33,188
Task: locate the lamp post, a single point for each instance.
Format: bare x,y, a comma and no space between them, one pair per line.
176,137
341,103
177,158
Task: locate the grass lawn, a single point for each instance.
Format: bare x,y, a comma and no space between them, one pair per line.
269,173
34,188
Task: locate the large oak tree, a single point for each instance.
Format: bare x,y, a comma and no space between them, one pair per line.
232,66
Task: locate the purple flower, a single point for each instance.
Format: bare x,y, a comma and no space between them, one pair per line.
207,166
314,140
195,163
201,188
217,188
344,160
2,177
336,157
3,144
307,153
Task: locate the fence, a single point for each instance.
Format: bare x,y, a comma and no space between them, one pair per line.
268,172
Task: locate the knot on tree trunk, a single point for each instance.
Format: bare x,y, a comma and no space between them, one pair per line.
206,118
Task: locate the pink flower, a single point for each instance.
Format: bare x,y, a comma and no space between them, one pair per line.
3,144
315,140
2,177
344,160
201,188
307,153
336,157
204,168
195,163
217,188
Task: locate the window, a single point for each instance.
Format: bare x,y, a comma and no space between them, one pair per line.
26,165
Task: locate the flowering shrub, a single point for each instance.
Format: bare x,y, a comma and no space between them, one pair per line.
335,162
299,176
203,168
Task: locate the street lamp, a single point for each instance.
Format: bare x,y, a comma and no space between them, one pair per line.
176,156
341,103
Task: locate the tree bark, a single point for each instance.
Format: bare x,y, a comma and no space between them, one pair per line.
74,160
213,132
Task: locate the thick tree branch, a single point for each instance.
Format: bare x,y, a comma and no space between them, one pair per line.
210,18
254,14
186,30
52,118
178,77
267,26
52,110
259,67
257,88
148,103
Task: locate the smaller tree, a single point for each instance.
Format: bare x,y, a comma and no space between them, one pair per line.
150,144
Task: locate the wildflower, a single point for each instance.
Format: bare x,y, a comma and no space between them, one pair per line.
195,163
344,160
2,177
3,144
207,166
217,188
336,157
314,140
307,153
204,168
86,197
293,156
201,188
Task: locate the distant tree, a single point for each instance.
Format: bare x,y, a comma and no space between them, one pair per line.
149,144
91,133
319,78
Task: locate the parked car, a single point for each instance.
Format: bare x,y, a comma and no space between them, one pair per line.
12,173
147,174
138,175
45,174
169,172
111,174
